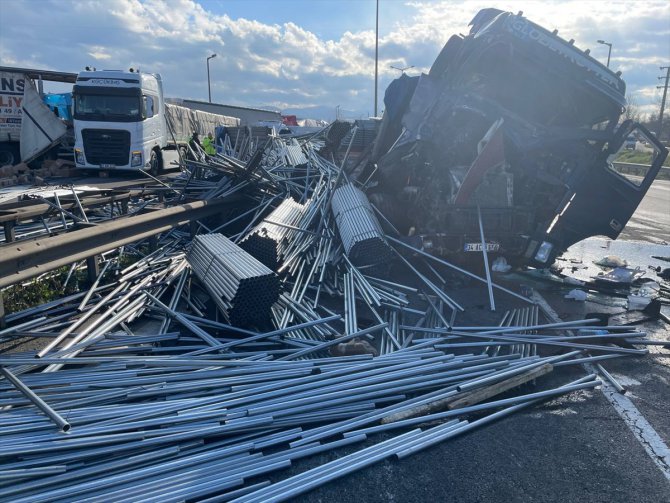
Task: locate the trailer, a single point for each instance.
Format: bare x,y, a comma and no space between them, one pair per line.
28,126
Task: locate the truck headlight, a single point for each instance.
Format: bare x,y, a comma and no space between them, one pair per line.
544,251
79,156
136,158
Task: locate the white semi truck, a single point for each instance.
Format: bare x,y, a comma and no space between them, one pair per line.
121,121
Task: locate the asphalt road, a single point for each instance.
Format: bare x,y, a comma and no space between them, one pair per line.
576,448
651,221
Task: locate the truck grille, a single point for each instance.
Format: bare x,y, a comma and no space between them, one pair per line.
106,146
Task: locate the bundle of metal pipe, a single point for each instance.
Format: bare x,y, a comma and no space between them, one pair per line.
243,288
293,153
359,229
264,242
155,428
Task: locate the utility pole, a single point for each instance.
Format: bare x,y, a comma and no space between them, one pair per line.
665,93
376,55
209,86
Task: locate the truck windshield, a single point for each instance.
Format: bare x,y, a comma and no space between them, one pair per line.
100,107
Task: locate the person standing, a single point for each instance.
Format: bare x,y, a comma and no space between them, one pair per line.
208,145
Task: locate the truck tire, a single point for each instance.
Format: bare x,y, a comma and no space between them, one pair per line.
9,154
156,163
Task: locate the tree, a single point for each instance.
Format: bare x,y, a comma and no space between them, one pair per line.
632,110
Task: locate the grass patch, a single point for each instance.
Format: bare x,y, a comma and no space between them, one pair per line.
636,157
50,286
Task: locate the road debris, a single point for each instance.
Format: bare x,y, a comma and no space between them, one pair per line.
311,354
214,351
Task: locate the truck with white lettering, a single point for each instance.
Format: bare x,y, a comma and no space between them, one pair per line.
122,122
11,97
28,127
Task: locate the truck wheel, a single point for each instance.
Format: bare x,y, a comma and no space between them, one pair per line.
155,164
9,154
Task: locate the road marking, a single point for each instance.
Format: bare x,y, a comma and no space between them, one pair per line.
643,431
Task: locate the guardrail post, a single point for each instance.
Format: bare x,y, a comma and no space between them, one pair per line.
3,323
10,234
92,269
92,263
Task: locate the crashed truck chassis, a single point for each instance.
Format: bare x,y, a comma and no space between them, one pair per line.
518,122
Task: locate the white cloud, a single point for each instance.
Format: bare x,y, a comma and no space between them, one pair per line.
286,64
97,52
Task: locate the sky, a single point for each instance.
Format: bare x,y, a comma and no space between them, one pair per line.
290,54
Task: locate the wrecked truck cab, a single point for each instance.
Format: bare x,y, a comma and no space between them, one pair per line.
518,122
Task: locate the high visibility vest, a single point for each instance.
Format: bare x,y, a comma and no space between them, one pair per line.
208,146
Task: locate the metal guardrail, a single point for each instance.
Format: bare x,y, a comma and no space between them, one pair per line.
630,168
23,260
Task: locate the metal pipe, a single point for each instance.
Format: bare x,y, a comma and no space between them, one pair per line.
611,379
36,400
452,266
486,260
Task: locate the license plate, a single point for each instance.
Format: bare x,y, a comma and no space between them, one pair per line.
477,247
108,165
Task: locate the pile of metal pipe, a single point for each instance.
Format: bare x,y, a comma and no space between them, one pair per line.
267,241
243,288
151,427
358,227
164,402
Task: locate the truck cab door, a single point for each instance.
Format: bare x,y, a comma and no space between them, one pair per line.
602,200
151,121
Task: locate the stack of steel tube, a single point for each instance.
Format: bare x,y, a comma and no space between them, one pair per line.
294,154
266,241
243,288
359,229
191,426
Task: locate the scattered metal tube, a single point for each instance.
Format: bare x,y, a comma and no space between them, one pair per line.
36,400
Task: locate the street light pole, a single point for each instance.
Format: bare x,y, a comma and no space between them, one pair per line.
376,55
665,94
609,52
402,70
209,86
